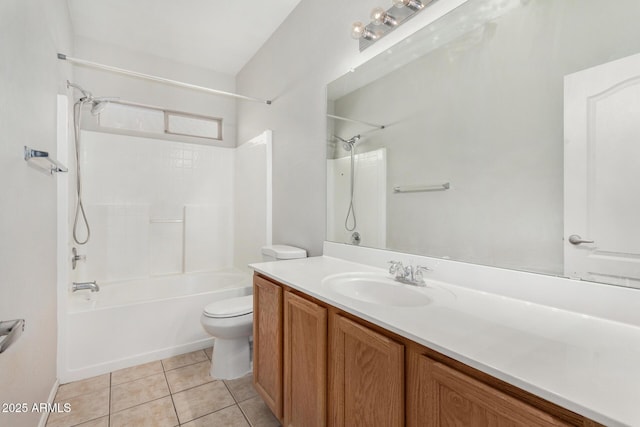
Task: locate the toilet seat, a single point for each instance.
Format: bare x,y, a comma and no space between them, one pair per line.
232,307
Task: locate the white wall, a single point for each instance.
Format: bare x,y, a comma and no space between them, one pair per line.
31,32
311,48
252,200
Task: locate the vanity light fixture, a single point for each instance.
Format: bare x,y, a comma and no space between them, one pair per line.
384,21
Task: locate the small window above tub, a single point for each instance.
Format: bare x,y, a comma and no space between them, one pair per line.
143,120
192,125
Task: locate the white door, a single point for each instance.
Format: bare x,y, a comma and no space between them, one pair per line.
602,173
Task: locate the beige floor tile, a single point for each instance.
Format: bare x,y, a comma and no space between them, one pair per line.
100,422
242,388
258,413
227,417
83,408
157,413
209,352
202,400
184,360
189,376
136,372
78,388
134,393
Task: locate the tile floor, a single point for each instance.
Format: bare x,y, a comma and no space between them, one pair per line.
172,392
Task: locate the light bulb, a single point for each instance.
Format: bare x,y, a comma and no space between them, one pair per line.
357,30
377,15
380,16
411,4
360,31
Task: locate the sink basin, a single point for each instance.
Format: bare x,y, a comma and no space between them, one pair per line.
376,288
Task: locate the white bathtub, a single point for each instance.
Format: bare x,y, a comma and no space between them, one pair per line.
138,321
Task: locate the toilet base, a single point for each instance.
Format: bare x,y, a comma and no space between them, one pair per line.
231,358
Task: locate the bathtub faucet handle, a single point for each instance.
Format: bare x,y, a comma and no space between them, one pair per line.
75,258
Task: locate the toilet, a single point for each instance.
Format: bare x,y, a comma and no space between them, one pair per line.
230,321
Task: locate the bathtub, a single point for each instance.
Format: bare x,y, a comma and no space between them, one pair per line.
138,321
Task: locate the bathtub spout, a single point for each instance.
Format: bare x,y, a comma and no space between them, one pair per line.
79,286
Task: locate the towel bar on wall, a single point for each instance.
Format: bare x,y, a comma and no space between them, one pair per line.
419,188
47,165
10,331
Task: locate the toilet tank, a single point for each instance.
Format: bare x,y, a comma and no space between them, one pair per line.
280,252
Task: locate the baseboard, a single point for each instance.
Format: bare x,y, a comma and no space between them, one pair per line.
52,396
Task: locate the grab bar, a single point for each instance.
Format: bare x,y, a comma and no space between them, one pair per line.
52,166
10,331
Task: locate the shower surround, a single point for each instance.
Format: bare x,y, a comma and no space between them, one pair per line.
162,247
155,207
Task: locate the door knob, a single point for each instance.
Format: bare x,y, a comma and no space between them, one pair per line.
574,239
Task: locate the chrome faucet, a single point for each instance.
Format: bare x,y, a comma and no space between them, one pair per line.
408,275
80,286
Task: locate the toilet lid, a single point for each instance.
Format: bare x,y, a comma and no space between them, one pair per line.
231,307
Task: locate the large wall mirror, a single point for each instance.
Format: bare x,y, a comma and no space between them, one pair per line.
511,138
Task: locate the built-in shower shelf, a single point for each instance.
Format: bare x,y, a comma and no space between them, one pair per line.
41,161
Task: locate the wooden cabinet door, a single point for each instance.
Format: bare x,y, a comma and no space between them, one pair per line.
443,396
267,343
305,362
366,377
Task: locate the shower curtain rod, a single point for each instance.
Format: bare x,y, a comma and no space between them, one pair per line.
86,63
345,119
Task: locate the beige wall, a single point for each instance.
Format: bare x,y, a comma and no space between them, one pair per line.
31,32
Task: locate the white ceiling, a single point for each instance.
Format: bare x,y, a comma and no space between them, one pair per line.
220,35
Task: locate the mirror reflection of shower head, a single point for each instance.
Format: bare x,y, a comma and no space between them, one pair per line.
348,144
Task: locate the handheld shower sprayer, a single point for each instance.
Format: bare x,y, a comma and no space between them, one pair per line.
349,145
97,105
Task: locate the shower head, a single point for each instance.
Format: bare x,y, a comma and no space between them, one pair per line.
97,104
348,144
97,107
85,93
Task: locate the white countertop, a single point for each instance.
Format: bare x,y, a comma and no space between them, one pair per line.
586,364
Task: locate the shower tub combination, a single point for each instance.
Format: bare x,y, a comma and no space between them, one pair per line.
160,250
137,321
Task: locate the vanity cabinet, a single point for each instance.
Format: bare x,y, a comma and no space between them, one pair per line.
444,396
305,362
366,376
315,365
267,343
